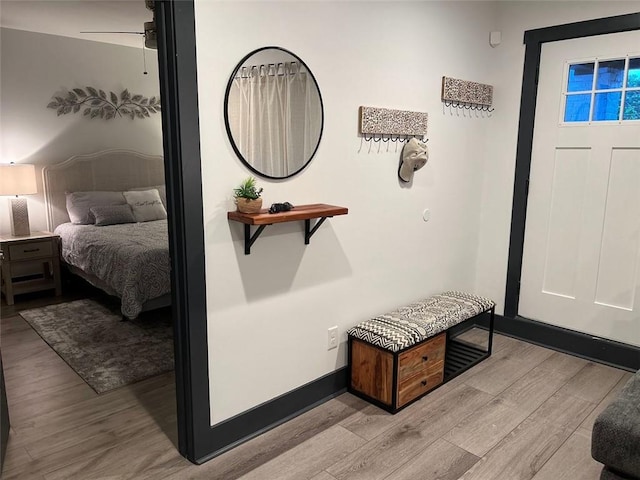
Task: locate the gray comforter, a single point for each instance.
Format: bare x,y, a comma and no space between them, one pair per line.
131,260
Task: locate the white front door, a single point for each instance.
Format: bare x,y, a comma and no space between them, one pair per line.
581,261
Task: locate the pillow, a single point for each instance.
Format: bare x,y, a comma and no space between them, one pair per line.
146,205
162,191
113,214
79,204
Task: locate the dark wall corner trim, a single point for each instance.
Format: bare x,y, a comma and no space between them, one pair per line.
600,350
181,138
247,425
533,40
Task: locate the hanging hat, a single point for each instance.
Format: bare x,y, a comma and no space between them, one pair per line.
414,157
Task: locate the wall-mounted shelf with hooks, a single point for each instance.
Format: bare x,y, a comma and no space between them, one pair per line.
299,212
467,95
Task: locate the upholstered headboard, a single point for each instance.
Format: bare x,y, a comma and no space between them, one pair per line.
108,170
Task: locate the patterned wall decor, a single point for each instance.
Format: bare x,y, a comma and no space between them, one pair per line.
457,92
384,121
96,103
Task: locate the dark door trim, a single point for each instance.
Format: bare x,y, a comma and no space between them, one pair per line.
533,40
181,136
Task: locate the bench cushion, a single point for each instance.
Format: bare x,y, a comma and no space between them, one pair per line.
414,323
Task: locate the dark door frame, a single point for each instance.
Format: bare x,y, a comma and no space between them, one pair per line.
533,40
181,137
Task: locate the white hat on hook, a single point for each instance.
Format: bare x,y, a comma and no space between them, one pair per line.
414,157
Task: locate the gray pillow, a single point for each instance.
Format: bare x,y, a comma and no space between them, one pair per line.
113,215
79,204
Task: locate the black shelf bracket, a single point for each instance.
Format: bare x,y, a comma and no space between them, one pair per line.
308,231
250,239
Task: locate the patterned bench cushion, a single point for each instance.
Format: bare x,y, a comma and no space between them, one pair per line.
414,323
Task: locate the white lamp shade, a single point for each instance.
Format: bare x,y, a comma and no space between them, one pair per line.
18,179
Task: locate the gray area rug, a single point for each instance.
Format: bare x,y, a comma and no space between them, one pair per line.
104,350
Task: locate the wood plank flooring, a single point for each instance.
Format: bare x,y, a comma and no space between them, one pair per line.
524,414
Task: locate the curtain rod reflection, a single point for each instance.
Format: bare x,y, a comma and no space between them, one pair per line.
271,69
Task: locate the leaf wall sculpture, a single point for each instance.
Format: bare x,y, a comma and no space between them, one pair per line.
95,103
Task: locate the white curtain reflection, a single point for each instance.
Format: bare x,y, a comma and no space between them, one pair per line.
274,115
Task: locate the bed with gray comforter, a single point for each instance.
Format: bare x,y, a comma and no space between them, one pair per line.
129,260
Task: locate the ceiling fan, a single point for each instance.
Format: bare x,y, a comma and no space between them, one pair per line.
149,33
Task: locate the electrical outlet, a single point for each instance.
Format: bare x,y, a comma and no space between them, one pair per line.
332,338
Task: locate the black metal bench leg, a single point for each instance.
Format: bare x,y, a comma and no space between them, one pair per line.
490,344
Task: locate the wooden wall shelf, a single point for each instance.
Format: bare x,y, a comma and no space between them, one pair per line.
299,212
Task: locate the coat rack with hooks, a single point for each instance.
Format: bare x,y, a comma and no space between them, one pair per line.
385,126
467,95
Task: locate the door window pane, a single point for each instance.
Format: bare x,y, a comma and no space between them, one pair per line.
632,106
607,106
577,108
633,78
610,74
580,77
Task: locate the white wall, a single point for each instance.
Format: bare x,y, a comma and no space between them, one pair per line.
36,66
269,311
514,18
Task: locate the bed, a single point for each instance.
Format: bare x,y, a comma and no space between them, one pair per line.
128,260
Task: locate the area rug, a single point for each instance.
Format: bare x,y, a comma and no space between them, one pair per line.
106,351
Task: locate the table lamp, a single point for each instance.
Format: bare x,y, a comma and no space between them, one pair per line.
18,179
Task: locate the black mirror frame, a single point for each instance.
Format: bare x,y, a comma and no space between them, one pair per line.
228,126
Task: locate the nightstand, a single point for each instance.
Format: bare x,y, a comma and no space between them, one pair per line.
30,264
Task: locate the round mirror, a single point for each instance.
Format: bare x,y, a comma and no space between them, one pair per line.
273,112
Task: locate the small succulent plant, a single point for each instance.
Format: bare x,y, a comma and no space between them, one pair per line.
247,189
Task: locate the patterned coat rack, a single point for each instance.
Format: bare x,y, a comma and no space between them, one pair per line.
458,93
384,125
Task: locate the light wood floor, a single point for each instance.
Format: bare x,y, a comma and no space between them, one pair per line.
524,414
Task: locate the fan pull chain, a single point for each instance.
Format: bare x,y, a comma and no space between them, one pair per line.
144,57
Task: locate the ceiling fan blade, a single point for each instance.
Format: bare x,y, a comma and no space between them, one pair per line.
130,33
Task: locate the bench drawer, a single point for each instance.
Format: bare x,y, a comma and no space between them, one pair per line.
420,384
372,371
421,357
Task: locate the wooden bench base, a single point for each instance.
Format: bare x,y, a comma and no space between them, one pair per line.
393,380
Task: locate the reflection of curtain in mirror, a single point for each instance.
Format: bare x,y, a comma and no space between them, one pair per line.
276,123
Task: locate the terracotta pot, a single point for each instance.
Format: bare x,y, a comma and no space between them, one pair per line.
246,205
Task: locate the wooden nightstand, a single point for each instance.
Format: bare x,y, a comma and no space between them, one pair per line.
30,264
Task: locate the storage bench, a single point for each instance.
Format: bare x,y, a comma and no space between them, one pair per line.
398,357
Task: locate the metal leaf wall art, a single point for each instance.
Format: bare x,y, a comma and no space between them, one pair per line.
96,103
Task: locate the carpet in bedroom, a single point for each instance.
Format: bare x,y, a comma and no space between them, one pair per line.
104,350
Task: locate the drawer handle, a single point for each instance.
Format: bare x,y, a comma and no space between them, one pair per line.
424,383
32,250
425,358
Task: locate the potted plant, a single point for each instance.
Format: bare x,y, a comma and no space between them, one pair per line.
248,196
